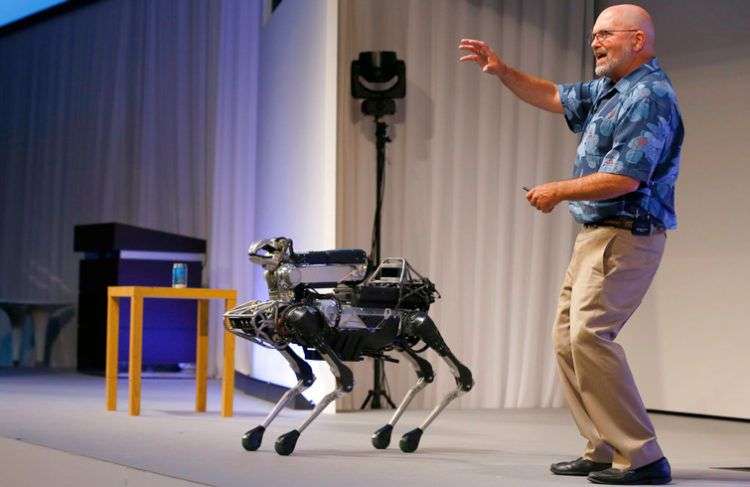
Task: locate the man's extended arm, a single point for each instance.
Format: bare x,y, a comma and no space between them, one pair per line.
544,94
596,186
538,92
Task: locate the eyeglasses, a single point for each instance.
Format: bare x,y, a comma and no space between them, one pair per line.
603,35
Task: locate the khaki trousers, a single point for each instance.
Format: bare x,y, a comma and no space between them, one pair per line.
608,275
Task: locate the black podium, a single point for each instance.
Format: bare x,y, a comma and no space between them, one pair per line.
124,255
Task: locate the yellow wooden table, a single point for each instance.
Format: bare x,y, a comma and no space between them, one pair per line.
136,295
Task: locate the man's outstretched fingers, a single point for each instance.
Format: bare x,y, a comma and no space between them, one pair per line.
467,47
469,57
475,42
474,46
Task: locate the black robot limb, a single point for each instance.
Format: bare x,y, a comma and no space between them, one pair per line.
305,378
286,443
382,437
420,325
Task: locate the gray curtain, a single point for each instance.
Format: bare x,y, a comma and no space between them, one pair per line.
462,148
135,111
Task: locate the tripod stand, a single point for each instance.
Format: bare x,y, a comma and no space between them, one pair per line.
381,137
371,75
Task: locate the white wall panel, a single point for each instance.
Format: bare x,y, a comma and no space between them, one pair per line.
296,169
688,344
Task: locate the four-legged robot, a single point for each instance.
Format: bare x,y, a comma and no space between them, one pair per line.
364,316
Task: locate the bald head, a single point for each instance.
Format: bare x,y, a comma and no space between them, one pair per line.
623,38
630,17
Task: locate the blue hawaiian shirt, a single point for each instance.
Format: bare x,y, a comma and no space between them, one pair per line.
633,128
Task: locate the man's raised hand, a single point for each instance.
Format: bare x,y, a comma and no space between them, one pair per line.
482,54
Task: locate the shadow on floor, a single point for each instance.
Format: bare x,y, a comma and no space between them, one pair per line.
717,474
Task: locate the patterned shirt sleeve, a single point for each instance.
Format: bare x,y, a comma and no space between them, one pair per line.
639,138
577,100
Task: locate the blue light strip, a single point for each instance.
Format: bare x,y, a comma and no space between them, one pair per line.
13,10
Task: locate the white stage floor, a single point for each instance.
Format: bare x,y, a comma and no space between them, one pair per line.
55,431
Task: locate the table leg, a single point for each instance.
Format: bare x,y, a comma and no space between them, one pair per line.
113,319
16,336
17,315
201,358
136,353
227,380
40,317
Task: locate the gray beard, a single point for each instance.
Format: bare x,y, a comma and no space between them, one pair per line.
607,68
603,70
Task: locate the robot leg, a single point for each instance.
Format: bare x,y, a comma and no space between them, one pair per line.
252,439
419,324
382,437
344,384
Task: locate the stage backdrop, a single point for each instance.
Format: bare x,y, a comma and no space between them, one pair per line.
135,111
462,148
688,344
295,188
147,113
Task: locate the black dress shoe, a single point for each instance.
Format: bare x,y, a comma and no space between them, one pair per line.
655,473
579,466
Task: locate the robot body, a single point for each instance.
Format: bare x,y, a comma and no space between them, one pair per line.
363,316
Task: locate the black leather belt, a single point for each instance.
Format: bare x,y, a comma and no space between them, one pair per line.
625,223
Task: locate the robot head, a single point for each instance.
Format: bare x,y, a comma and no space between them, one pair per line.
270,253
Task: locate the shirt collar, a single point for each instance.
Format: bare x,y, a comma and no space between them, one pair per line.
630,80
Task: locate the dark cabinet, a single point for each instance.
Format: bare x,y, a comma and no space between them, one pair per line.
121,255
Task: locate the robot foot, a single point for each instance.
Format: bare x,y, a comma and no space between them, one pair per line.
285,443
382,437
252,439
410,441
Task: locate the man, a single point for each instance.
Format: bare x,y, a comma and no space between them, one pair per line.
623,193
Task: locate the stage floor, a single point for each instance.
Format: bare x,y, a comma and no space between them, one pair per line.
54,430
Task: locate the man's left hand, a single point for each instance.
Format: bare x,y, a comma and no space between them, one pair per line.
544,197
